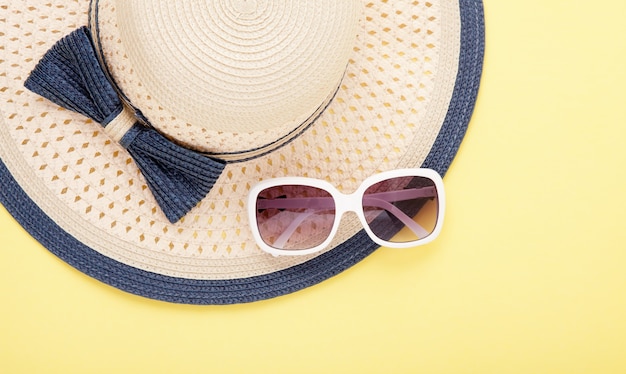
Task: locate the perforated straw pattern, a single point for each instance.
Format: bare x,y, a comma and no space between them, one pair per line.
83,198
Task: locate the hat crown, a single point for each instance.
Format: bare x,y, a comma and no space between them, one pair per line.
237,66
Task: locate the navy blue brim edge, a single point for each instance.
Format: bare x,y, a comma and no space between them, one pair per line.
218,292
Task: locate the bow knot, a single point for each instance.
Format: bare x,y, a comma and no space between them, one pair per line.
121,123
70,75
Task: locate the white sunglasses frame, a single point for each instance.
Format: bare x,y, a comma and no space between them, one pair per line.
346,203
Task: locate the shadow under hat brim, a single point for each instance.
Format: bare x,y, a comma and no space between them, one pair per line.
190,291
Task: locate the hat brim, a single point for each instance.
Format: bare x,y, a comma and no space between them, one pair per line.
313,271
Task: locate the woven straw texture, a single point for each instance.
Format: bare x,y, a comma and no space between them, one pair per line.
403,102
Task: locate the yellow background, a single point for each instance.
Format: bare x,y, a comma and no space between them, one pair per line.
528,276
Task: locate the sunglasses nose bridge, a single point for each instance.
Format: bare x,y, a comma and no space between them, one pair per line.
347,210
347,203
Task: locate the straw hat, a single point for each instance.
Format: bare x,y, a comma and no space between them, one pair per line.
335,90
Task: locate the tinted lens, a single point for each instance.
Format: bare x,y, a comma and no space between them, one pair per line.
405,205
294,217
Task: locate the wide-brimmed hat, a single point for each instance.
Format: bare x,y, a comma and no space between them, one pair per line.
131,131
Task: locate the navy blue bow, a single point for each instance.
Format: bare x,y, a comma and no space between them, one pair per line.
70,75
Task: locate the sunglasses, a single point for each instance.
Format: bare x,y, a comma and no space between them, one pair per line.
298,216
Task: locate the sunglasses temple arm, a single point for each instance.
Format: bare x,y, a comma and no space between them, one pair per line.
403,195
412,225
408,222
284,237
296,203
379,200
329,203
